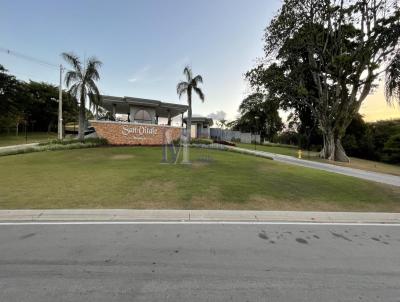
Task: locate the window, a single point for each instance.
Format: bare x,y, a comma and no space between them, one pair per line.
142,116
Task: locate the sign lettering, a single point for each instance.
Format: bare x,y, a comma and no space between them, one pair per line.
139,130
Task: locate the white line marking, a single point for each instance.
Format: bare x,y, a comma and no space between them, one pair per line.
193,223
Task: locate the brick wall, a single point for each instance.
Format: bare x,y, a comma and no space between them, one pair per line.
134,134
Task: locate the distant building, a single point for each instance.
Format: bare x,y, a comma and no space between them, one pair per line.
200,126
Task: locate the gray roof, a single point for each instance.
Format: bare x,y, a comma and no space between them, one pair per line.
200,119
122,105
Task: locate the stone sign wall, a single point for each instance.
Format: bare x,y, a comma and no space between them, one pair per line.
118,133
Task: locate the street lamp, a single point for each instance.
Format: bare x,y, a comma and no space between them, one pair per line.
255,137
60,107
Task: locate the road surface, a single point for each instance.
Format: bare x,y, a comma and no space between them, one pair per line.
199,262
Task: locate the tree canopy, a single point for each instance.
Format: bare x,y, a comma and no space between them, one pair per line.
32,102
192,83
259,114
81,81
322,59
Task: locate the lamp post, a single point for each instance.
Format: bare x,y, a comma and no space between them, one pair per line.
60,117
255,137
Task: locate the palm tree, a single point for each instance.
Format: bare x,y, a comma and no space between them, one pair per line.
392,80
81,81
187,87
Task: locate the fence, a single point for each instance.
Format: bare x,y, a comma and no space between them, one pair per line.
231,135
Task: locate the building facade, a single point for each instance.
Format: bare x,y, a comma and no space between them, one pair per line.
200,126
142,125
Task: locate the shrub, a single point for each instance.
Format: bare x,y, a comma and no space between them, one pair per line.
201,141
279,145
58,145
392,148
225,143
87,141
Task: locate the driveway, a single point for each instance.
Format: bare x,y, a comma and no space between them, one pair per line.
367,175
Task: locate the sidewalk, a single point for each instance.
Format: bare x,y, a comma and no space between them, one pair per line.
194,216
21,146
363,174
17,147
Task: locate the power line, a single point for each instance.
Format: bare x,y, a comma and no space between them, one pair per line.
26,57
51,65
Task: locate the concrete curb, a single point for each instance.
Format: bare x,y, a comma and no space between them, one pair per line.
194,216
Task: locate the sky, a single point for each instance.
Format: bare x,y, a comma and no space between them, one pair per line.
145,44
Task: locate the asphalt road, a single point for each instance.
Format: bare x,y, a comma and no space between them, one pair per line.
191,262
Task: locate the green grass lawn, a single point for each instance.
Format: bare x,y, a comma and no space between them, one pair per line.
32,137
132,177
357,163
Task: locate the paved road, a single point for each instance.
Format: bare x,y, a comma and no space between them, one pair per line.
199,262
368,175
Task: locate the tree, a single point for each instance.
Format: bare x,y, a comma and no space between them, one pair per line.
42,105
222,123
259,114
328,55
392,81
81,81
392,148
188,86
32,102
12,101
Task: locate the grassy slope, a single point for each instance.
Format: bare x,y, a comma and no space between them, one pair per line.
33,137
134,178
357,163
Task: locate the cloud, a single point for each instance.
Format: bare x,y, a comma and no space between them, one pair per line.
217,116
140,74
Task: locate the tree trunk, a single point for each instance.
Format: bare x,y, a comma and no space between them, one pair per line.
82,119
333,149
189,119
49,126
16,129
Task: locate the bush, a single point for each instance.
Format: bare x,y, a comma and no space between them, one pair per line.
224,143
236,140
392,148
280,145
288,138
58,145
96,141
201,141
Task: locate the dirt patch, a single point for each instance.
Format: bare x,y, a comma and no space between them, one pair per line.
122,156
200,163
152,194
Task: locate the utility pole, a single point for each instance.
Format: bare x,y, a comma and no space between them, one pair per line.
60,117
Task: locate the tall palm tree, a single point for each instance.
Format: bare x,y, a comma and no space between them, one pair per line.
392,80
81,81
191,84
